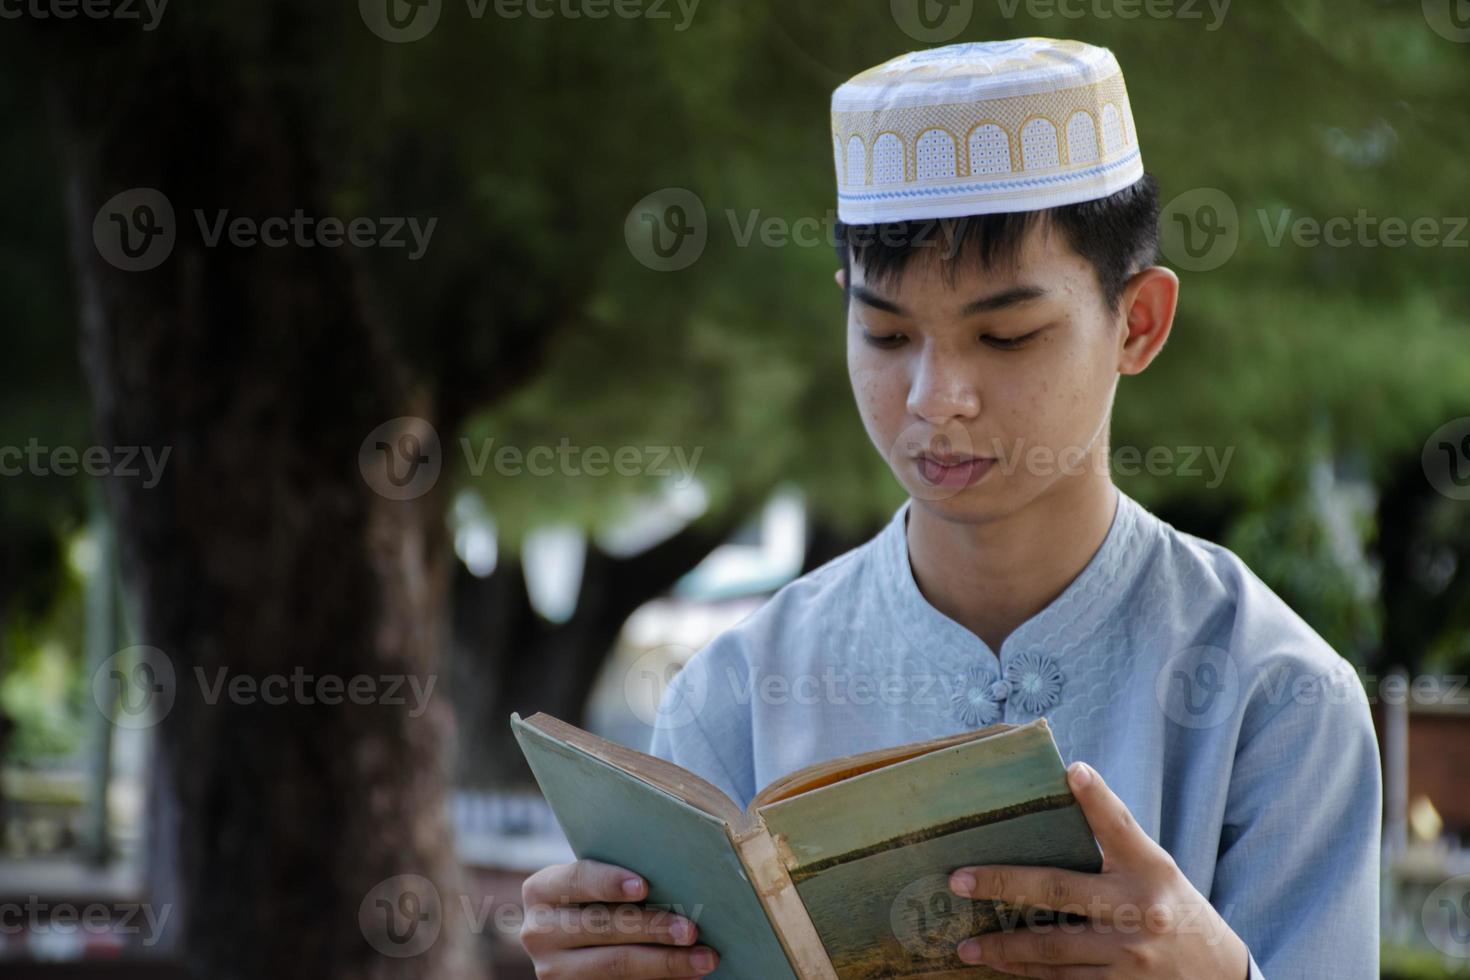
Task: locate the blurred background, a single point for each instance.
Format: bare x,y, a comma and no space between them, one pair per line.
374,370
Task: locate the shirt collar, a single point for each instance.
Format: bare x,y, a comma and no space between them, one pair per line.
1060,630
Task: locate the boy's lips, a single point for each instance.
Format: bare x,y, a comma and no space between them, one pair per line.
950,459
953,472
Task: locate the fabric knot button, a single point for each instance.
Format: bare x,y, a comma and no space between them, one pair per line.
1035,682
1000,690
974,702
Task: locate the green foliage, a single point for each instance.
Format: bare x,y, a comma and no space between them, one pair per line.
530,139
1289,546
1412,963
44,689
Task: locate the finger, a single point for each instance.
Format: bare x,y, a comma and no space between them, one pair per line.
1050,947
630,962
1046,888
1044,972
1122,840
570,927
583,881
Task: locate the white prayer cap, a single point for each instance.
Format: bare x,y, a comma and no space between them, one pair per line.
983,128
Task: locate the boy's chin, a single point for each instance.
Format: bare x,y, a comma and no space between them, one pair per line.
971,505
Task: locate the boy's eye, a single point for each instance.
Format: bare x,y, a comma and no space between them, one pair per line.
1009,343
885,342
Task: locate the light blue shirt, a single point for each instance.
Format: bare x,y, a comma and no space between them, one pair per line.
1238,738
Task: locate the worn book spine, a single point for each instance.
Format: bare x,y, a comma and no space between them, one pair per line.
789,919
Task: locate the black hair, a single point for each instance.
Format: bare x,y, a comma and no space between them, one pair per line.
1118,235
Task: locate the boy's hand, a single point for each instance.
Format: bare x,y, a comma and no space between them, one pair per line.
1145,919
608,937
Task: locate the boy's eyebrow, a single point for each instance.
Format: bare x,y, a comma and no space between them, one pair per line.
868,297
985,304
1003,299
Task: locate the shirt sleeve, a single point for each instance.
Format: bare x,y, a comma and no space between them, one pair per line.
1297,876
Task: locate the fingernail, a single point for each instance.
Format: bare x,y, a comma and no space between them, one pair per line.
632,887
962,883
703,960
1081,775
681,930
969,950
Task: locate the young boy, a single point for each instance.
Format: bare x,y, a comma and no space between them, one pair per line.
1223,754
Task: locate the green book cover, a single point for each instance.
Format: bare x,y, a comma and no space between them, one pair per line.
839,870
692,865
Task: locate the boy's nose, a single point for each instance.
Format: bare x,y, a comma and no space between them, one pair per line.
940,392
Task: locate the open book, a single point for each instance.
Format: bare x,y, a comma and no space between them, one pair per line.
840,869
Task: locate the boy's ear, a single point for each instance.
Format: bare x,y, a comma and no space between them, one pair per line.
841,278
1148,304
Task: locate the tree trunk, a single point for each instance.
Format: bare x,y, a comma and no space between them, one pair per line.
263,553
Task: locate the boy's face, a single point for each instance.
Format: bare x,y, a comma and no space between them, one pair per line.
1009,375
